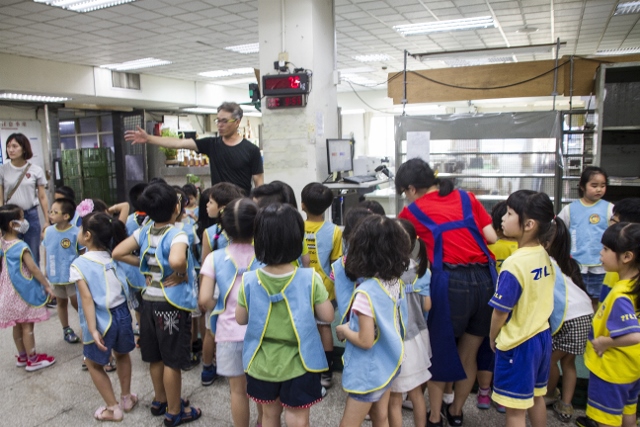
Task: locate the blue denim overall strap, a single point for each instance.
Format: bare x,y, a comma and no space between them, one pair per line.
446,365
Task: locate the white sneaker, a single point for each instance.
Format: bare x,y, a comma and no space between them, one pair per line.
42,361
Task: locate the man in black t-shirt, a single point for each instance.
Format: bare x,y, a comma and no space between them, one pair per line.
231,158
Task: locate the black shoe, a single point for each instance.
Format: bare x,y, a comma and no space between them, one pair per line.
196,346
53,303
453,420
585,421
432,424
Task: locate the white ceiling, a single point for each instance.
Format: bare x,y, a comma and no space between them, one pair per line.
193,33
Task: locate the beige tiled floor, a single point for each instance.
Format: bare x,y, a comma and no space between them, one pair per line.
63,395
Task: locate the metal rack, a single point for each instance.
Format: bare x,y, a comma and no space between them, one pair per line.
490,155
618,104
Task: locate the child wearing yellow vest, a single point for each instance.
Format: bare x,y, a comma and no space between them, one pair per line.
613,351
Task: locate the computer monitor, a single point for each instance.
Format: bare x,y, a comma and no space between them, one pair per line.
340,155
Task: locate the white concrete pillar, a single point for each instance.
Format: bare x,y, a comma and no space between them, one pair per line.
294,140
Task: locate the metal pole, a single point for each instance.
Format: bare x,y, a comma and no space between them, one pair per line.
555,75
404,96
557,199
571,86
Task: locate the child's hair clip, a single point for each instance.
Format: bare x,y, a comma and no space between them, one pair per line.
85,207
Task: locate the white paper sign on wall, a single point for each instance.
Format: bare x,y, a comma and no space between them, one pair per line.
32,129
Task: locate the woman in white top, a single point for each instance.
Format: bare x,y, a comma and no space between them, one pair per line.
22,183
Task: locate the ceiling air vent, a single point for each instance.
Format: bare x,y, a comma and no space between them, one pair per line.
125,80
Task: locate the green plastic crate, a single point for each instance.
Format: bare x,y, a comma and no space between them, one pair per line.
98,162
71,170
103,188
73,156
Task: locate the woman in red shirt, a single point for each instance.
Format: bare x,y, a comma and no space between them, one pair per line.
456,229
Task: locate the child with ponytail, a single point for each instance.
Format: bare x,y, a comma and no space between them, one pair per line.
105,318
570,321
522,305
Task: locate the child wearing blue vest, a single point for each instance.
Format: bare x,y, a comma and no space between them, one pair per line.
343,285
613,349
104,313
61,248
570,321
379,249
522,305
215,237
414,371
138,218
191,210
169,299
221,279
587,219
198,324
66,192
24,290
324,241
282,353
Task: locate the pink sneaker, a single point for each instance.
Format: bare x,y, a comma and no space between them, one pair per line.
484,401
41,361
21,361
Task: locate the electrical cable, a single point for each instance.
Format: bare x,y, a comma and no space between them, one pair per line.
365,102
490,88
378,84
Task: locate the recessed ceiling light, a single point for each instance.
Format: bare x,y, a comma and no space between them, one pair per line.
32,98
446,26
226,73
622,51
376,57
136,64
627,8
83,5
245,48
527,30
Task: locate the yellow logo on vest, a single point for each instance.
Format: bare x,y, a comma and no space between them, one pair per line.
65,243
594,219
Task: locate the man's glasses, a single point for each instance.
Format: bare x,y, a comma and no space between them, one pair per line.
225,121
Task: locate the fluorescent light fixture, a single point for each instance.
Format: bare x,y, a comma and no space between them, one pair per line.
245,48
376,57
227,73
485,53
446,26
83,5
463,62
622,51
136,64
32,98
627,8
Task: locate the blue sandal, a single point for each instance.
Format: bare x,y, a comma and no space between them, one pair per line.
160,408
182,418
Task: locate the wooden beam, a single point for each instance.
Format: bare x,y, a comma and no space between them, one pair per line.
515,80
